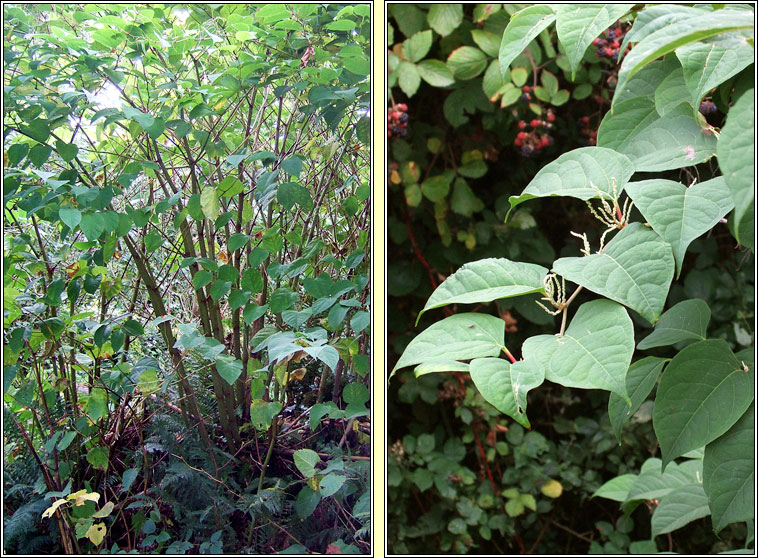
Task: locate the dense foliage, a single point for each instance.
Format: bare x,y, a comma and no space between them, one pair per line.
186,278
582,177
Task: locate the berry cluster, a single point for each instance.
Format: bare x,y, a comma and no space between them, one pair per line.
397,120
533,141
609,43
584,128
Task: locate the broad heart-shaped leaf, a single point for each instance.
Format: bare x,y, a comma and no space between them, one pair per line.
729,473
594,352
635,269
505,385
70,216
710,63
652,483
577,173
702,393
736,149
578,24
678,33
640,380
92,225
616,489
523,27
305,461
432,366
671,92
652,142
209,202
487,280
684,321
681,506
458,337
646,81
680,214
229,368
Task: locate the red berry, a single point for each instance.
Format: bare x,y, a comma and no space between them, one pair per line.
402,107
535,123
608,51
550,117
585,119
521,124
615,44
544,142
518,142
526,89
396,115
521,136
597,41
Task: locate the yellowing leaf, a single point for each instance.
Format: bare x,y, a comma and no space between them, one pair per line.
209,203
96,533
297,374
105,511
552,489
52,509
82,496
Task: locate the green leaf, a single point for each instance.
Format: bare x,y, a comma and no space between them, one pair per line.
578,25
736,151
408,78
128,478
237,241
290,193
655,143
487,280
523,27
594,352
487,41
293,165
458,337
92,225
296,319
505,385
445,18
67,151
238,298
39,154
710,63
152,125
229,368
575,173
685,321
640,380
252,312
153,241
330,484
436,188
466,62
729,473
679,32
671,93
306,502
209,202
360,321
681,506
305,461
201,279
616,489
416,47
680,214
98,457
435,72
282,299
464,201
690,414
70,216
653,482
219,288
635,269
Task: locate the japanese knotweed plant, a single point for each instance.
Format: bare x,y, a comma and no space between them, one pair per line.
704,398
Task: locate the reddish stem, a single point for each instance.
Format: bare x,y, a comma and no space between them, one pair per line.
422,259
